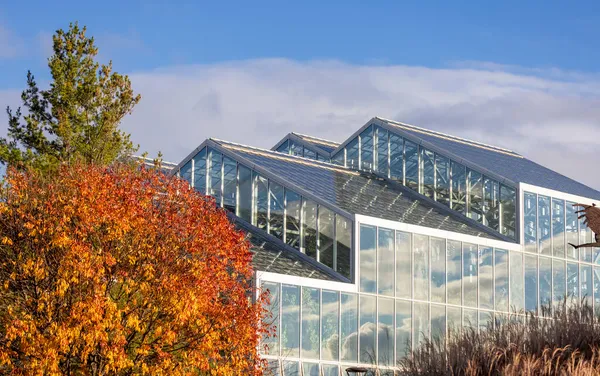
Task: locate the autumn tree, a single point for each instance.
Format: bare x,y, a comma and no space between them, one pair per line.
118,271
77,117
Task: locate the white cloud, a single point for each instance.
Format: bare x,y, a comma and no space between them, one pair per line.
11,45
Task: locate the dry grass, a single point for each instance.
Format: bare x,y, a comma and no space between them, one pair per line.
567,343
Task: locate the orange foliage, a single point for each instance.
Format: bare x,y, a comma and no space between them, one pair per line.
120,271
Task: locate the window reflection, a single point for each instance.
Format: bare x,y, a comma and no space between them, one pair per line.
421,266
470,275
545,244
571,230
366,149
545,281
261,202
326,236
284,147
310,323
293,206
442,180
382,151
185,172
438,270
200,171
229,184
276,210
459,187
290,321
587,285
420,323
530,221
438,322
385,332
385,258
352,154
454,271
411,165
508,212
572,283
403,328
501,279
309,228
427,173
244,194
486,282
214,178
343,237
516,281
349,327
403,264
558,283
330,325
272,318
368,328
558,227
475,196
531,283
491,203
396,158
367,258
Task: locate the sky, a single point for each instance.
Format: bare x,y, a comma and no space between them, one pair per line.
520,75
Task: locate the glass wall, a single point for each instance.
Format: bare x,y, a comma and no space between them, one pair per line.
303,224
293,148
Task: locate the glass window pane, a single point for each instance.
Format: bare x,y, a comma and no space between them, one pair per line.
421,266
385,332
571,230
544,219
349,327
470,274
531,283
352,154
438,322
284,147
261,202
442,180
427,173
310,369
185,172
508,213
330,325
291,368
309,228
214,178
368,328
530,221
459,187
558,283
516,281
486,281
310,323
470,318
309,154
367,258
597,290
330,370
403,265
326,236
585,277
343,237
454,271
438,270
200,171
244,196
293,206
420,323
558,227
276,210
229,184
366,149
501,279
385,260
396,158
545,281
585,236
273,368
411,165
290,321
486,320
453,319
475,196
572,283
382,151
338,158
272,318
296,149
403,328
491,203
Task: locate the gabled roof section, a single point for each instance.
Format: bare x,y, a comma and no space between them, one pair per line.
503,164
318,145
353,192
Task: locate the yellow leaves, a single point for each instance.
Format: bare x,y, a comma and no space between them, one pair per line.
6,240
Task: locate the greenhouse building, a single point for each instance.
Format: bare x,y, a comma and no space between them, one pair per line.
397,234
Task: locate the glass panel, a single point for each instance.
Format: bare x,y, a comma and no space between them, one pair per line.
501,279
427,173
421,323
571,230
486,280
368,328
276,210
544,240
343,237
273,368
349,327
244,195
296,149
290,321
229,183
352,154
516,281
597,290
486,320
531,283
272,318
438,270
293,206
459,187
310,323
411,165
530,221
309,228
470,318
367,259
403,265
200,171
585,277
185,172
470,274
475,196
385,261
309,154
558,283
442,180
330,326
261,202
396,158
382,151
322,158
385,332
214,178
491,203
558,227
291,368
572,282
508,213
453,319
454,272
284,147
310,369
438,322
545,280
403,328
338,158
421,266
585,236
366,149
326,236
330,370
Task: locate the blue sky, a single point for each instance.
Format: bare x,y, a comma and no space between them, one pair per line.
523,75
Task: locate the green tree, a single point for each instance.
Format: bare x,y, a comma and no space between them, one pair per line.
77,117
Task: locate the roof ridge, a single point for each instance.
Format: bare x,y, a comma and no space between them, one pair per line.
452,138
325,141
